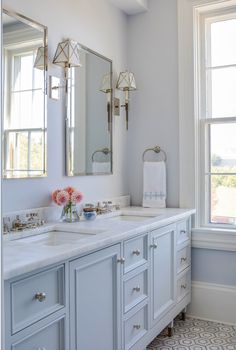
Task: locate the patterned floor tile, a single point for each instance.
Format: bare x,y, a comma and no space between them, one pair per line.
196,335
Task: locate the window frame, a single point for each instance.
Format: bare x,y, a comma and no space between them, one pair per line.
203,188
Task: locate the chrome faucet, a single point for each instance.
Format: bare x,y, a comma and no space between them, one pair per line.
32,221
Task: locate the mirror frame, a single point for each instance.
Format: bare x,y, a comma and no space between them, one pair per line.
44,30
67,123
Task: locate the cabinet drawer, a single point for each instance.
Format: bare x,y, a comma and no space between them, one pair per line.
135,290
135,253
50,337
37,296
183,259
183,285
183,231
135,327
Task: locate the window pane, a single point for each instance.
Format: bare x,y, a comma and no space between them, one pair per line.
223,48
17,157
23,72
36,162
221,94
27,109
223,199
223,148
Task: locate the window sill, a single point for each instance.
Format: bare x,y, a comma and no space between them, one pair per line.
212,238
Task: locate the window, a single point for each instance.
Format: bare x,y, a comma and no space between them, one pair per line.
23,114
217,120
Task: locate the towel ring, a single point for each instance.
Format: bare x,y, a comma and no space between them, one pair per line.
105,151
156,149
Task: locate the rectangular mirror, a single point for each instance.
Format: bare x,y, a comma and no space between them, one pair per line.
89,116
24,86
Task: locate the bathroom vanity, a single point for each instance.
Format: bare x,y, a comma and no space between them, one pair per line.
114,283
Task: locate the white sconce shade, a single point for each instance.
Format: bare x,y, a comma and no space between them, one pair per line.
67,54
126,82
41,58
106,83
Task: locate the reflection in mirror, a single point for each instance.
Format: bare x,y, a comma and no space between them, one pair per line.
89,116
24,82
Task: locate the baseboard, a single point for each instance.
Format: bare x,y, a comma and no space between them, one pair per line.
213,302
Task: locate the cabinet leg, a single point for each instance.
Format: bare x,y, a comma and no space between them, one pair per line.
171,329
183,314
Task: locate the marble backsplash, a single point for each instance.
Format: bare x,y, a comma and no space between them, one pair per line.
53,213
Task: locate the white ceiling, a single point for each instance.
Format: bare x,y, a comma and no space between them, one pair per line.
131,7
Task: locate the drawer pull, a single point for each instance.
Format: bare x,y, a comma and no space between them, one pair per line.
154,246
183,286
43,348
183,259
183,232
40,297
136,252
121,260
137,326
136,289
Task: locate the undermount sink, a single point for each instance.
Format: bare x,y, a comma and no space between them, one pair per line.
54,238
82,231
136,218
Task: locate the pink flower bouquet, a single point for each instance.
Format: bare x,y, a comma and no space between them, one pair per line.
68,198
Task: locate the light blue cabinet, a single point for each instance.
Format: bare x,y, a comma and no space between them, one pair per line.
116,298
35,297
50,337
163,262
95,301
36,316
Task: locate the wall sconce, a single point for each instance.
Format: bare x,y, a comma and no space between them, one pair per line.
40,61
106,87
67,56
126,83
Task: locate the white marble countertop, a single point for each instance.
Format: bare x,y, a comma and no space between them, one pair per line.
21,257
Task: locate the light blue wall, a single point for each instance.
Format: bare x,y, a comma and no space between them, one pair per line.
153,57
102,27
214,266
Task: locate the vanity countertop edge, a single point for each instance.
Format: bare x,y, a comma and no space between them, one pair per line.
19,258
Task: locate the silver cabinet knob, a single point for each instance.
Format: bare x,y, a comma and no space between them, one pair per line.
183,259
183,286
136,252
154,246
136,289
137,326
40,297
183,232
121,260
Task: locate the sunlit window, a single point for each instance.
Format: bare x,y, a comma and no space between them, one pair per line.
218,120
23,114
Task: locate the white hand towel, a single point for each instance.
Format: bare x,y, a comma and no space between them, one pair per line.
154,184
101,167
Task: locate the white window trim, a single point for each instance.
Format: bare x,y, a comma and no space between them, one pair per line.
188,11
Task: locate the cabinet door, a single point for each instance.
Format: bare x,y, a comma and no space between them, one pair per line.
163,279
95,306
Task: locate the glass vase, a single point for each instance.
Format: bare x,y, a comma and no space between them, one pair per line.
69,213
